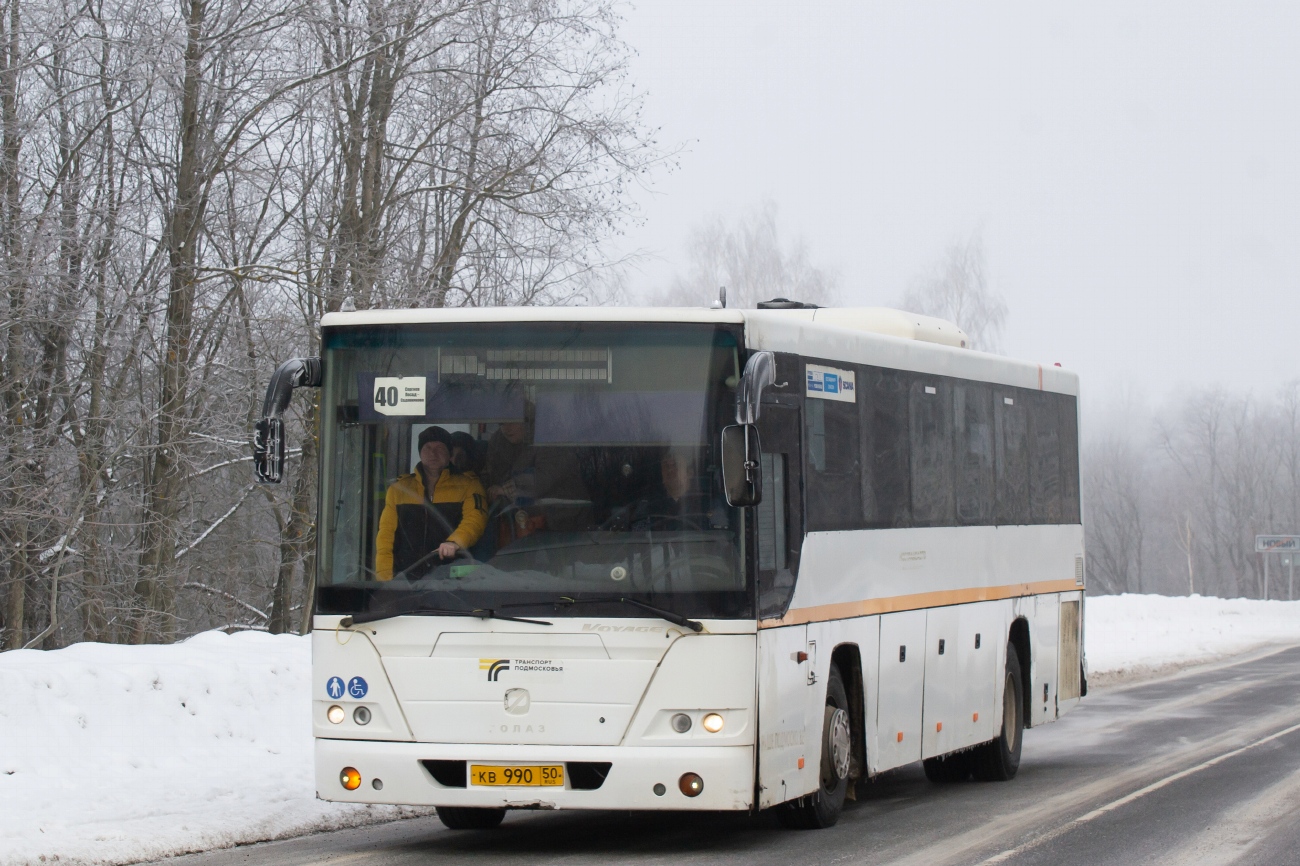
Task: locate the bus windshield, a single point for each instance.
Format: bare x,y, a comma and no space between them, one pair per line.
535,469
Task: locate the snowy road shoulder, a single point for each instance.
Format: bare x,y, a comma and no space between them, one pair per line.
115,754
1129,637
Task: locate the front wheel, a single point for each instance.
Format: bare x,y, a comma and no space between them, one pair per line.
999,759
470,817
822,808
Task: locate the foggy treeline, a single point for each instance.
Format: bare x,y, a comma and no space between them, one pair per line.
1173,505
185,188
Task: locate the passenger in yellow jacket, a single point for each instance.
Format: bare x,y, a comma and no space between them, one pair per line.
419,529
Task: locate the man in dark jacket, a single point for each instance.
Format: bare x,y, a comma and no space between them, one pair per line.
430,514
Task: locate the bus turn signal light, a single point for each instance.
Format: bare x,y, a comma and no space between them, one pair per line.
350,778
690,784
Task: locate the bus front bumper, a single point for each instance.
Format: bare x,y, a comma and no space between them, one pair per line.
635,774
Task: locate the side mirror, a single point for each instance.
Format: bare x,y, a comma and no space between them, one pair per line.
760,372
268,450
268,433
741,476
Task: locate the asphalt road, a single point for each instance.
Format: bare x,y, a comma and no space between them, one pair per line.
1198,768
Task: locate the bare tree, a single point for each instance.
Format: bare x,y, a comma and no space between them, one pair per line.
749,258
1114,481
958,290
185,189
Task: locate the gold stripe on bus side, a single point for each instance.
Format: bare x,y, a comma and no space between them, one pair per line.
919,601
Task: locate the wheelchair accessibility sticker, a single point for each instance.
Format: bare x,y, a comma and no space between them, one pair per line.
355,688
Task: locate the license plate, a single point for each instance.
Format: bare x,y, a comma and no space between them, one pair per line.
528,776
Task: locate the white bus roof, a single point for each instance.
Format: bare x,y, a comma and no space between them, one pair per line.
874,336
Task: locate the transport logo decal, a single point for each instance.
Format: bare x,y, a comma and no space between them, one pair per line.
828,383
528,669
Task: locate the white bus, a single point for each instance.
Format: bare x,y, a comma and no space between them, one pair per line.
699,559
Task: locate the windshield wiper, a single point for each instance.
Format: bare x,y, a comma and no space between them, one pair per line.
478,613
670,616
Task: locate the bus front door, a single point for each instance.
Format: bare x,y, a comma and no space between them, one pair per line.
789,714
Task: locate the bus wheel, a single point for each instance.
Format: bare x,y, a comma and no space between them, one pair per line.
997,760
470,817
948,768
822,808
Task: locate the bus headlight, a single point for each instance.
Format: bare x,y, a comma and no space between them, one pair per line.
336,715
712,722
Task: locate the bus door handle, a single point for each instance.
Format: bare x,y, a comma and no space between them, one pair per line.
812,662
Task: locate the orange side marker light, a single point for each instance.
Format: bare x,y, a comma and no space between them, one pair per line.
975,717
938,726
900,736
801,763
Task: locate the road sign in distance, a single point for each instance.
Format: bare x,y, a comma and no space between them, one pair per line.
1276,543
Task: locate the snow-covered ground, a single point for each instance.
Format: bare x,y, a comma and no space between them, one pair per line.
112,754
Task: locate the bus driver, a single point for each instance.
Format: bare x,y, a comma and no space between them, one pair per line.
424,523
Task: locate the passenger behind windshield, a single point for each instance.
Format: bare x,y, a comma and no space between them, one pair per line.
678,502
429,515
533,488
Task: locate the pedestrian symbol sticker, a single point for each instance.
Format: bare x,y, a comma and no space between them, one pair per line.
357,688
334,687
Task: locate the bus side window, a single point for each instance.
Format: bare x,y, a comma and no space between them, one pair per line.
972,408
930,414
1068,417
886,481
1011,456
771,514
833,487
1044,460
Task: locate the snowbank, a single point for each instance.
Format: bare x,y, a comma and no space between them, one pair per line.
1127,635
113,754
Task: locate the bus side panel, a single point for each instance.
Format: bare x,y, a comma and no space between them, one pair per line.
902,681
785,693
980,639
1043,631
1070,682
943,686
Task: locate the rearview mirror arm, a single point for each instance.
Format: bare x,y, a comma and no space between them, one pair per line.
268,434
760,373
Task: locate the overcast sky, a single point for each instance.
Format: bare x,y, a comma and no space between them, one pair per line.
1134,167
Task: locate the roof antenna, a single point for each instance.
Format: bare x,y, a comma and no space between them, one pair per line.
348,305
721,302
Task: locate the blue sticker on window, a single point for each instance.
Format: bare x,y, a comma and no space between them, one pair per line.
357,688
334,687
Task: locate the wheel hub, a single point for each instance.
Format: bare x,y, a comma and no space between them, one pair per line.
838,748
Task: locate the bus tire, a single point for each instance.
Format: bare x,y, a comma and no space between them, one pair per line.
822,808
470,817
948,768
999,759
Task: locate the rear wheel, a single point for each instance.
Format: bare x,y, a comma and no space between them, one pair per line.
469,817
822,808
999,759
